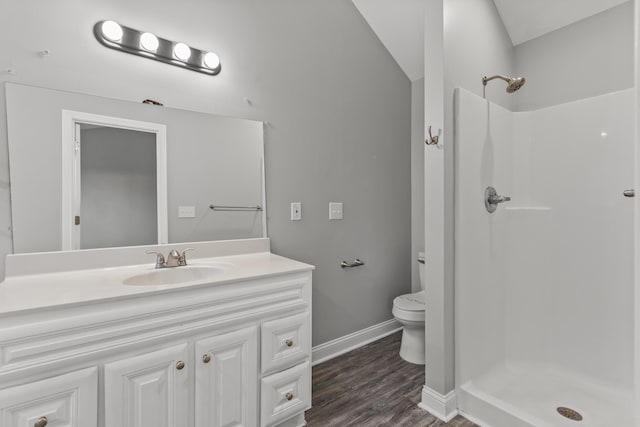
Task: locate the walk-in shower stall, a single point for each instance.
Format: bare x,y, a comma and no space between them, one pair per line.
544,284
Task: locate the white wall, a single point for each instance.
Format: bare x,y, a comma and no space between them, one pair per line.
589,58
338,107
417,178
475,44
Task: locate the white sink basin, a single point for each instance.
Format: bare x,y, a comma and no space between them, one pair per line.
175,275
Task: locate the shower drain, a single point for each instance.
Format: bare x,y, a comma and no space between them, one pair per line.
569,413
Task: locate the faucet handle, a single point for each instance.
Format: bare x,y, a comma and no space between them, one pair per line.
183,256
159,258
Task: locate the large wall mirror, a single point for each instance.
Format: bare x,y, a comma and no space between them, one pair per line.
93,172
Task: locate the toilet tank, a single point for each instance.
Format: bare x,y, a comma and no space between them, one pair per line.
421,269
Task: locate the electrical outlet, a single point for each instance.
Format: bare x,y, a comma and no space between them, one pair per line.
186,211
335,210
296,211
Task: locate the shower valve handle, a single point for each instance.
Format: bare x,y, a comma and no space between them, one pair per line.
499,199
492,199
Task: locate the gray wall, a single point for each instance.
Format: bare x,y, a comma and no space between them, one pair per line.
338,107
118,188
417,178
589,58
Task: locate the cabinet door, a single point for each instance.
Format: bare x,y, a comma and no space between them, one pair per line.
69,400
227,379
149,390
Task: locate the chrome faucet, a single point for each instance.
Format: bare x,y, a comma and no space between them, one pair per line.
174,259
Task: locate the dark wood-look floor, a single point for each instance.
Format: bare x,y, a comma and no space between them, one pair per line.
369,387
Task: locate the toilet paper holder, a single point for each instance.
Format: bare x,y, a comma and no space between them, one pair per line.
356,263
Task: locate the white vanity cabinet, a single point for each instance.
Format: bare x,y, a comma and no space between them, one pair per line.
234,353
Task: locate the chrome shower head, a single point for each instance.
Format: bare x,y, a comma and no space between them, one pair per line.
513,83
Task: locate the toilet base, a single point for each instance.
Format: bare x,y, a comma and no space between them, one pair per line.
412,348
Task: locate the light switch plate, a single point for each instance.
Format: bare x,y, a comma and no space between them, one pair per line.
335,210
186,211
296,211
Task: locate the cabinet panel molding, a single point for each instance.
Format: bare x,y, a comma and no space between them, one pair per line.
69,400
148,390
226,379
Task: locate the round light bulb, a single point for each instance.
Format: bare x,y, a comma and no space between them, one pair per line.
112,31
182,51
211,60
149,42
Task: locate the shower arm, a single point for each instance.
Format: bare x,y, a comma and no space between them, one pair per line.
486,79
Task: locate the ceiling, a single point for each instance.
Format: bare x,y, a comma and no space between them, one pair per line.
399,24
528,19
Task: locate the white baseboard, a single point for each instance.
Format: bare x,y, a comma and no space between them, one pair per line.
329,350
444,407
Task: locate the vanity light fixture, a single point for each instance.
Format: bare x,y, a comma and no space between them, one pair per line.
125,39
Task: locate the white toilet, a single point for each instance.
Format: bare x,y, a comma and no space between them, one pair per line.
408,309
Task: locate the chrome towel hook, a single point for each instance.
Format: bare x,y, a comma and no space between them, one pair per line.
432,140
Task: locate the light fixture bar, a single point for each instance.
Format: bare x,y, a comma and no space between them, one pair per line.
129,42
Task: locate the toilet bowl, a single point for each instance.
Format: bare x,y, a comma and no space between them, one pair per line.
409,309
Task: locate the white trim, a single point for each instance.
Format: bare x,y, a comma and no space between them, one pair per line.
334,348
636,209
473,419
263,184
69,120
443,407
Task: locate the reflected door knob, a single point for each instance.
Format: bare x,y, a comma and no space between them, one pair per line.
289,396
206,358
180,365
42,422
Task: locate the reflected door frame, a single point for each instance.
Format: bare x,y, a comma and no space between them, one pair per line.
71,170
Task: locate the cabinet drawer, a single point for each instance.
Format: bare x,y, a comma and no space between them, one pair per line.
69,400
285,342
285,394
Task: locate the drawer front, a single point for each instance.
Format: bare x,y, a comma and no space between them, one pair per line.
69,400
285,394
285,342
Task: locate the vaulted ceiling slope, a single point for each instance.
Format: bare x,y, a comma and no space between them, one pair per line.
399,24
528,19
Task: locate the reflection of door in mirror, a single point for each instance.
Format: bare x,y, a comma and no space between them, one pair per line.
115,194
114,191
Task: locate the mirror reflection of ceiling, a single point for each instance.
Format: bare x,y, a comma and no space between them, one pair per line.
527,19
400,27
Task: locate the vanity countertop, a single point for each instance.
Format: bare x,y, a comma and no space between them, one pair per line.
51,289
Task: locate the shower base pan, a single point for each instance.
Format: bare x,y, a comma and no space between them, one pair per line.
524,395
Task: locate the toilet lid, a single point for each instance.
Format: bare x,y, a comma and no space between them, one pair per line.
410,302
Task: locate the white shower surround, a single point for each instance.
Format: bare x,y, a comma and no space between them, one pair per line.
545,285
